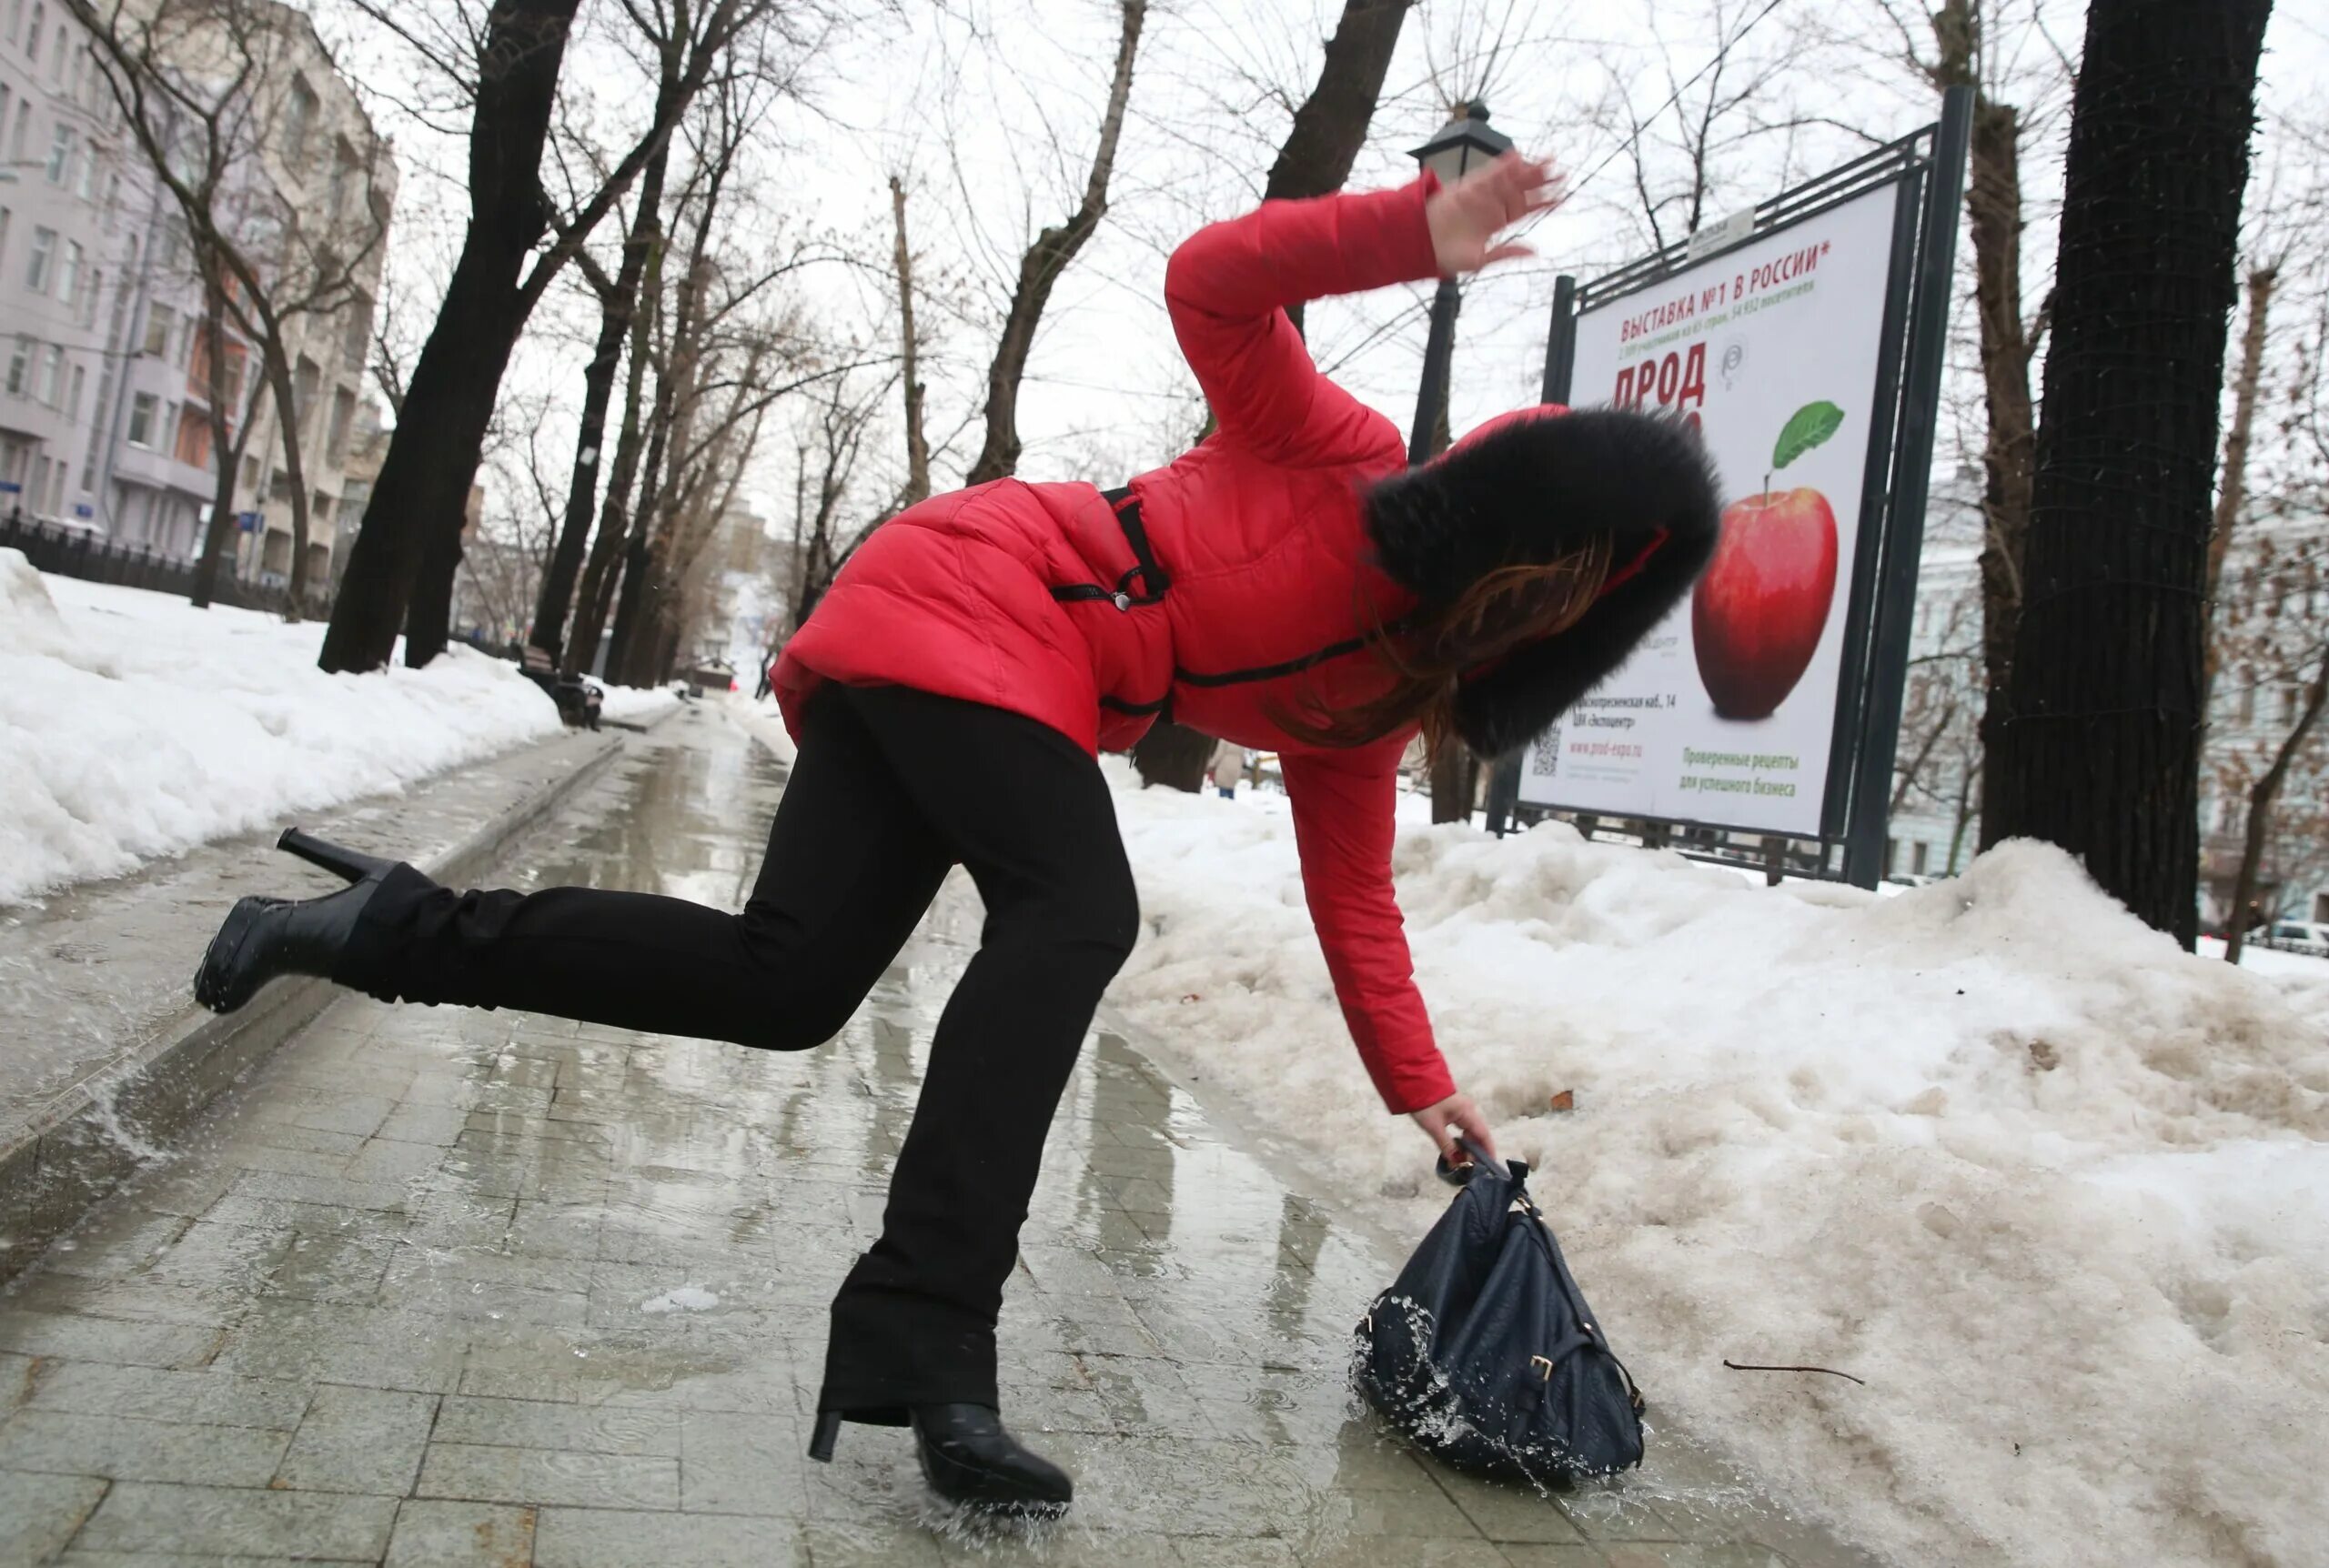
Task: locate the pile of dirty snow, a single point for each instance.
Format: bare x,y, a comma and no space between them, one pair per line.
2056,1189
134,726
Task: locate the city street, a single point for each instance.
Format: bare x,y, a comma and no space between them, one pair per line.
446,1287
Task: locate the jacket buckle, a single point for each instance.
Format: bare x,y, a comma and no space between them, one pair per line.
1543,1367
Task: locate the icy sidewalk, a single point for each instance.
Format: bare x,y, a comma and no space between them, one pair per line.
443,1287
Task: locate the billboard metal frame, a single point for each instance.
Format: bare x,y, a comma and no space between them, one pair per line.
1929,169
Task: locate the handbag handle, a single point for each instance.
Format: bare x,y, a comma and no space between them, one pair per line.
1456,1175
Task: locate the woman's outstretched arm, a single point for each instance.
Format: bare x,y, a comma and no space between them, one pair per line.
1227,286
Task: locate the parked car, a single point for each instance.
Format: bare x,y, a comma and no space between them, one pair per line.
2300,937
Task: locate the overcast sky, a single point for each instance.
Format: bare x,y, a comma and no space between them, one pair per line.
989,110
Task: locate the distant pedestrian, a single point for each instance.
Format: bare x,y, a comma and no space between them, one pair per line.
1227,767
1288,585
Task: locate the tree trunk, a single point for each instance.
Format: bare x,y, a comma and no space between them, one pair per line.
423,488
2234,492
1045,259
597,591
1993,216
1330,126
2100,743
275,357
2261,800
917,442
221,531
616,306
1455,784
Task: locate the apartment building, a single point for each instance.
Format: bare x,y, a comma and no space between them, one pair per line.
104,418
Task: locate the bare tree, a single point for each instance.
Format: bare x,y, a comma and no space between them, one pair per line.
507,69
212,94
1044,260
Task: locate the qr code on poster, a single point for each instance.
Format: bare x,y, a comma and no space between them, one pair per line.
1545,754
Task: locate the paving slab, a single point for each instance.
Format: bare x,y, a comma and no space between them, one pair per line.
540,1292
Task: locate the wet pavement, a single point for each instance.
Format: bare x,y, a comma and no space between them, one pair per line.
446,1287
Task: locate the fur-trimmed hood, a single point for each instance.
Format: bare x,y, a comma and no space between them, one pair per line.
1530,486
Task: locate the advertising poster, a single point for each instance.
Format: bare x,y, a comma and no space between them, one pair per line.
1726,713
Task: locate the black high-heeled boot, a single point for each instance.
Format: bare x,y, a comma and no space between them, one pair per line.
263,937
968,1457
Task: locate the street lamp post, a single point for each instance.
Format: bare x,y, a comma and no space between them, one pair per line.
1463,145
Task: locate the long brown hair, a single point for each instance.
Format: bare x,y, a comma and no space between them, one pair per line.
1430,651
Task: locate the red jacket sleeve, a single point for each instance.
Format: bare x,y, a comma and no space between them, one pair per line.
1342,826
1226,288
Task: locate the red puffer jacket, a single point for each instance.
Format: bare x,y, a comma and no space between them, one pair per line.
1030,597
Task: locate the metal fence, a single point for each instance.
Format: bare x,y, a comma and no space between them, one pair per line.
87,554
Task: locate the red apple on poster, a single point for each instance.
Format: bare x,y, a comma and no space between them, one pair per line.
1757,615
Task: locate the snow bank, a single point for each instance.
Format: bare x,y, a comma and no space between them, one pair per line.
2056,1189
133,726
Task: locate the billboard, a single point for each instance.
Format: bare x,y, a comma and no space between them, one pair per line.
1730,711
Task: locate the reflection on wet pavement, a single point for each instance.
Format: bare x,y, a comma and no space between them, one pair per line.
458,1287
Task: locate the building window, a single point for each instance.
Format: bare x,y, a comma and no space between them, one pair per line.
2289,695
52,375
23,130
298,124
68,277
15,20
194,439
160,322
4,96
73,402
343,420
275,556
355,342
60,153
305,383
1918,852
20,367
32,39
4,215
2247,705
84,176
89,295
141,420
43,252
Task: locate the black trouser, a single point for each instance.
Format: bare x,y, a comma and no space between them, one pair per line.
892,788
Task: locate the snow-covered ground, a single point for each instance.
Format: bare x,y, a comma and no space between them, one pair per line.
2056,1189
133,726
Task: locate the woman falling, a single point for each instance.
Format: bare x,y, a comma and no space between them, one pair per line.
1285,586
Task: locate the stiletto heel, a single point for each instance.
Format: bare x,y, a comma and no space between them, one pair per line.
344,863
821,1442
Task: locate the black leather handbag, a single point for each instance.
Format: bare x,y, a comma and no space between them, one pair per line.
1484,1352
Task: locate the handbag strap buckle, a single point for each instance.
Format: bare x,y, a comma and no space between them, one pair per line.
1543,1367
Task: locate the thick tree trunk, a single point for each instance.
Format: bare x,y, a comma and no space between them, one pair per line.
1328,129
2100,749
1330,126
424,483
1045,259
2261,799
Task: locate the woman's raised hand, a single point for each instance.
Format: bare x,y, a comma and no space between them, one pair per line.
1466,217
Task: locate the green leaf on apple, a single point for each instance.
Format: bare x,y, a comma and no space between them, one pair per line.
1806,429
